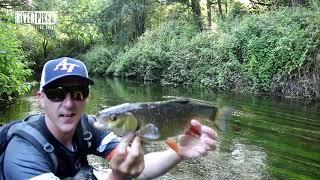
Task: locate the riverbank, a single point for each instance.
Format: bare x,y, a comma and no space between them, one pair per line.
274,53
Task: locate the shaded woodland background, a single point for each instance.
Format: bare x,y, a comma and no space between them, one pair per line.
258,46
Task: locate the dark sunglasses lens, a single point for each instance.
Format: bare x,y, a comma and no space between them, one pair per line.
79,93
56,94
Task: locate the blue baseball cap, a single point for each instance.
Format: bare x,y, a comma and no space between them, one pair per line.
63,67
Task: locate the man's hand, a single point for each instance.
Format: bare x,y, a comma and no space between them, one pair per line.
197,141
128,162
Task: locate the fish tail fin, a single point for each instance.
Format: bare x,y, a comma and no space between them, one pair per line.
111,154
222,118
173,145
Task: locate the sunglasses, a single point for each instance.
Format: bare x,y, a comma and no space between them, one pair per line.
58,94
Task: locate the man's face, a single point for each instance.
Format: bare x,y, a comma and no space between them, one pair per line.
63,114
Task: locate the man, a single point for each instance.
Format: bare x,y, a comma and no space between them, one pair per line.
63,95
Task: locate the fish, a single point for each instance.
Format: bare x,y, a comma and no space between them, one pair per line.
156,121
161,120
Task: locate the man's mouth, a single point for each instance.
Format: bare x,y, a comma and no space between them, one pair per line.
67,115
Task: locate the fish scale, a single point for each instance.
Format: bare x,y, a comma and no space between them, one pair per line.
170,117
164,121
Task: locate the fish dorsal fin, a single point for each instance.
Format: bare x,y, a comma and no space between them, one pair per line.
173,97
184,99
149,131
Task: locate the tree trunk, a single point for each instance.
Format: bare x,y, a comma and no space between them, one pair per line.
139,19
195,5
296,3
44,46
140,23
219,8
226,5
209,12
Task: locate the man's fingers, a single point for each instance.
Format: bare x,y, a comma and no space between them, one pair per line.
136,152
209,132
137,144
195,123
121,149
136,156
199,129
124,143
195,128
133,164
128,161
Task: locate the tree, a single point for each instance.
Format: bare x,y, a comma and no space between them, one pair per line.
123,21
194,5
296,3
13,4
209,12
13,70
219,8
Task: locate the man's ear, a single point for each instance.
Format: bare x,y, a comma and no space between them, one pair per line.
40,97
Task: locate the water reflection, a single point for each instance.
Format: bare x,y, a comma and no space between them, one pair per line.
23,107
269,137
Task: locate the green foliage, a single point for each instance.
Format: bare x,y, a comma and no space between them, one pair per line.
250,54
13,71
153,53
31,42
122,22
248,50
237,10
98,59
276,42
206,60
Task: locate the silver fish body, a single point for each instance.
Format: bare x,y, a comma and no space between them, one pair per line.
169,118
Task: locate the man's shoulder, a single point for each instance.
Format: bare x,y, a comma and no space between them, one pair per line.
21,149
22,159
18,142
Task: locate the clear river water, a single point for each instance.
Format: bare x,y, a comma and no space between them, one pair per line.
267,137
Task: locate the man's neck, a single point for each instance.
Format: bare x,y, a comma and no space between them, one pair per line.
63,137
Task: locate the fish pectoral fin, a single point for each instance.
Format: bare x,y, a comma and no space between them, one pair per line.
149,132
173,145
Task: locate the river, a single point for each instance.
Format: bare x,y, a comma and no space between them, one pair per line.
267,137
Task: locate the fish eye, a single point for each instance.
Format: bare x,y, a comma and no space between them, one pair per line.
113,118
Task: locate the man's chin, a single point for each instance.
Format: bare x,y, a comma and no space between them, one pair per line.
68,128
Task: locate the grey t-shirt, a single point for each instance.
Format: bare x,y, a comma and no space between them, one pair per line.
22,160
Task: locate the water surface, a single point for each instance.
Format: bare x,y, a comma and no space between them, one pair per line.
267,138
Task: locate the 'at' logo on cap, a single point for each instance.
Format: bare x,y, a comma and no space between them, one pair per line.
66,66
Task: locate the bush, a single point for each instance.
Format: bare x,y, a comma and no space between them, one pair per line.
274,52
276,43
13,71
98,59
153,53
31,44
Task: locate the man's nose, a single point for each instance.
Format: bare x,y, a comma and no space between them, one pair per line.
68,101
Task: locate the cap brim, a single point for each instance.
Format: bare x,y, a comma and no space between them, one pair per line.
90,81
